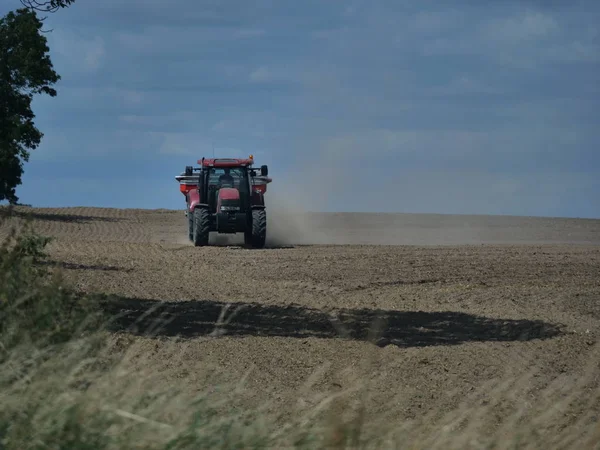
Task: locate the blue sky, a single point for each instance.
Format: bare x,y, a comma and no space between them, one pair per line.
445,107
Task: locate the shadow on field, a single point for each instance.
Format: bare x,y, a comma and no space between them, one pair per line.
189,319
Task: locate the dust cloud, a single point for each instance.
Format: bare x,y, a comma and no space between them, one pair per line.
289,222
294,206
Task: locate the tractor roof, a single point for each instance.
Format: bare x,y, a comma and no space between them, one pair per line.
226,162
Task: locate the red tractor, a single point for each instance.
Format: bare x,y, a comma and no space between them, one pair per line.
226,196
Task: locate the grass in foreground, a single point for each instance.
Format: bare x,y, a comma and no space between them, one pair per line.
66,383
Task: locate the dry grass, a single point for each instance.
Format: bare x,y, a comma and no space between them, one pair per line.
86,396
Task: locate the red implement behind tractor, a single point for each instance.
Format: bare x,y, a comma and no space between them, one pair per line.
226,196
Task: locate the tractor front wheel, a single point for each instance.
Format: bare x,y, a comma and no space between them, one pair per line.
201,227
257,235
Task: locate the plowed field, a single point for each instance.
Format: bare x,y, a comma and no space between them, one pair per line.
427,309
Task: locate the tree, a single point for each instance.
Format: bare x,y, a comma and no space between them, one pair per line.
46,5
25,70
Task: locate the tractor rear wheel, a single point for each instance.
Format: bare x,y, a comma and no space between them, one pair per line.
201,227
258,233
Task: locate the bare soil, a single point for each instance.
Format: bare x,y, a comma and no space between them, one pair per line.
488,298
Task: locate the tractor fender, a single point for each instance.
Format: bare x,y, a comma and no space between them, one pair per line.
193,200
257,199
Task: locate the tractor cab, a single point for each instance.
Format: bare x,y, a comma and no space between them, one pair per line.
227,180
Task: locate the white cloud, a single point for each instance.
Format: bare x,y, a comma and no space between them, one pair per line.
375,143
223,125
479,192
53,146
133,119
240,124
138,42
67,144
183,143
158,39
572,52
464,84
436,21
195,145
132,97
520,28
94,54
248,33
523,41
350,10
450,148
158,120
261,75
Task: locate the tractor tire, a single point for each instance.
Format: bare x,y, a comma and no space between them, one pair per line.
190,217
259,228
201,227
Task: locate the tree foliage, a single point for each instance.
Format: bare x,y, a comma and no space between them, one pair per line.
25,70
46,5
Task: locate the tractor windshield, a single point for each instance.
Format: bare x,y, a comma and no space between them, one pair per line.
236,177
